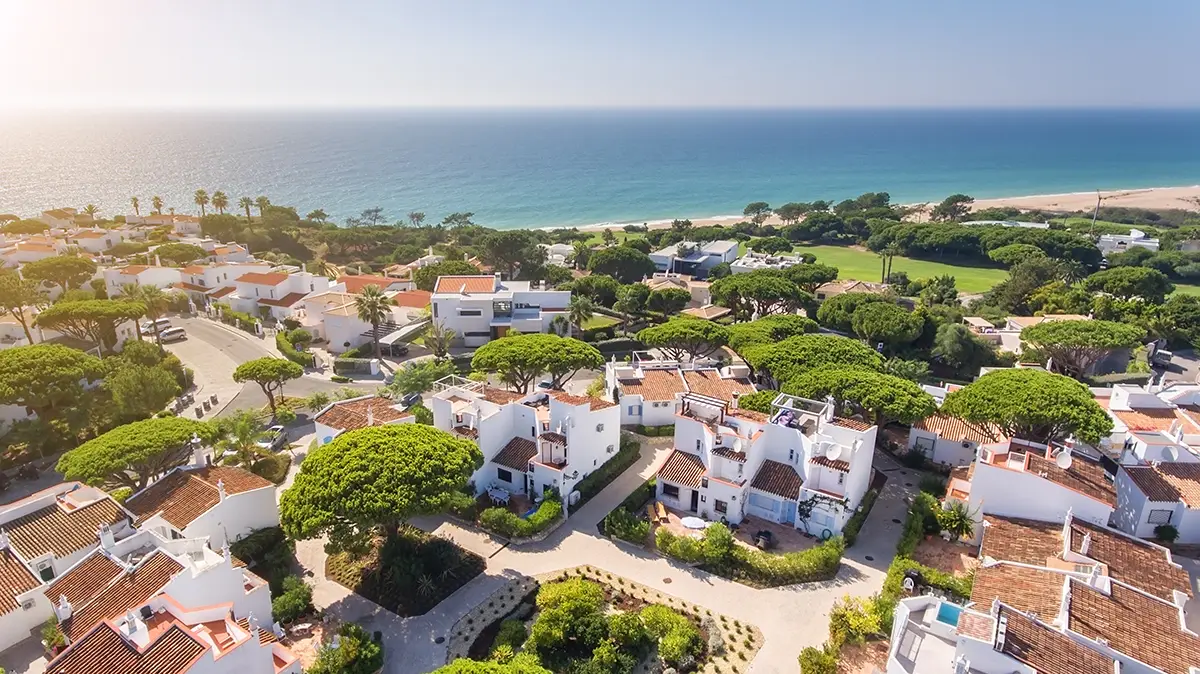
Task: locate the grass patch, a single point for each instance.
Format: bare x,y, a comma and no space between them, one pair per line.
407,574
863,265
599,321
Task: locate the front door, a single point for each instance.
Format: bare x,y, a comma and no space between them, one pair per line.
695,500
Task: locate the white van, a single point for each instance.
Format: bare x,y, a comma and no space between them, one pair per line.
172,335
148,326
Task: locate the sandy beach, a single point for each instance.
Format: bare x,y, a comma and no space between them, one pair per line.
1187,198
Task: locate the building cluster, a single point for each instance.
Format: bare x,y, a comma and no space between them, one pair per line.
147,586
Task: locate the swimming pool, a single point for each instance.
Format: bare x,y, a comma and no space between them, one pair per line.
948,613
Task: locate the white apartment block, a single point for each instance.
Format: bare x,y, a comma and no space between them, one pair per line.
208,283
1064,596
650,391
731,463
752,261
1152,423
1160,493
1119,243
62,218
31,249
558,254
139,275
482,308
279,294
332,316
530,442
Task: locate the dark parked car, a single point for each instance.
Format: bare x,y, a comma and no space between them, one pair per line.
410,399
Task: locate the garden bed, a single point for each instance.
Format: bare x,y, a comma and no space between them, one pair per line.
407,574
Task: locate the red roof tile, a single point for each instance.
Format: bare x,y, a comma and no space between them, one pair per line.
62,532
468,284
710,383
413,299
516,454
15,579
1168,482
682,468
103,650
957,430
185,494
87,579
1028,589
593,403
1136,624
1047,650
262,279
655,385
129,591
779,479
834,464
351,415
356,284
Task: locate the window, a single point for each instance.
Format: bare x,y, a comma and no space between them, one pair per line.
697,444
720,506
470,312
477,334
791,455
1160,517
1085,569
841,477
704,483
635,410
435,309
821,519
504,475
703,498
670,490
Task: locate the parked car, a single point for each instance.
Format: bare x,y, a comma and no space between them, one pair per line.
274,439
148,326
172,335
545,385
410,400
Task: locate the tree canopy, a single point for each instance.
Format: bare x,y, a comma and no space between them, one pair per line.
772,245
837,312
514,252
761,292
1030,404
690,337
139,391
372,478
957,346
179,253
68,271
132,454
16,294
419,376
1078,345
769,329
426,278
789,358
270,374
1127,283
91,320
1015,253
627,265
668,300
520,359
521,663
953,207
599,288
887,323
809,277
45,378
877,396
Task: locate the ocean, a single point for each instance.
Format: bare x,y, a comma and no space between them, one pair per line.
545,168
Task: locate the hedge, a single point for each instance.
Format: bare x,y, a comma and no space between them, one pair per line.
643,493
856,521
343,365
667,431
502,521
301,358
239,320
618,345
627,525
758,567
600,478
274,467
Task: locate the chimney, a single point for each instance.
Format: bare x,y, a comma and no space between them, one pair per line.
221,489
370,415
733,403
1086,544
198,456
225,549
252,621
64,609
105,534
4,542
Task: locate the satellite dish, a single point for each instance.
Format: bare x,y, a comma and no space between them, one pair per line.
833,452
1171,453
1063,460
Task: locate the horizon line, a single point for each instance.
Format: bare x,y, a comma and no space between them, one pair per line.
368,107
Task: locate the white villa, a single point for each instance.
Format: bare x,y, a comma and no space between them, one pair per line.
355,413
482,308
276,293
1119,243
752,261
650,391
694,259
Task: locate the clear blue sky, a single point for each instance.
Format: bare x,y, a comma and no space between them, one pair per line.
627,53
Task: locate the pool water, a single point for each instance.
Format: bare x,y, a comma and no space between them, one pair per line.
948,613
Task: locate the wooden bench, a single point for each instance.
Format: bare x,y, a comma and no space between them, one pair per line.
661,510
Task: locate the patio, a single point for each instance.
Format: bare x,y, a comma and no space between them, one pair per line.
954,558
787,539
518,504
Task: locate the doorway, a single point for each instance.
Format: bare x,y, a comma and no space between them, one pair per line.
695,500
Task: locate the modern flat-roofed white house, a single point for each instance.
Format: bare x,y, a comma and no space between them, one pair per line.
1065,596
1007,223
948,440
694,259
752,261
354,413
530,442
558,254
139,275
1158,493
482,308
1119,243
649,390
731,463
276,293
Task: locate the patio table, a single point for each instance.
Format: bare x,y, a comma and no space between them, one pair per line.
498,495
693,523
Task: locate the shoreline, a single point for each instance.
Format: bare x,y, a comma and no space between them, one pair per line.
1185,197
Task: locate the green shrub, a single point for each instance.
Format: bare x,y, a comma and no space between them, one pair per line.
678,639
687,550
768,569
852,619
818,661
464,506
298,357
1166,533
120,494
718,547
933,484
512,634
340,379
600,478
856,521
505,523
357,654
343,365
299,337
295,602
639,496
241,321
627,526
274,467
269,553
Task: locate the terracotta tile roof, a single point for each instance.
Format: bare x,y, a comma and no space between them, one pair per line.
1131,560
709,312
193,269
1168,482
593,403
1047,650
838,464
727,453
682,468
1084,476
500,396
557,438
185,494
469,284
413,299
36,248
87,579
852,424
184,285
129,591
15,579
1028,589
779,479
975,625
62,532
1136,624
288,300
516,454
467,432
260,278
654,385
752,415
221,292
710,383
355,284
1012,539
103,650
955,429
351,415
265,636
134,269
1147,419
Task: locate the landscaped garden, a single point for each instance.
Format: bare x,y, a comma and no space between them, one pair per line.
587,620
408,573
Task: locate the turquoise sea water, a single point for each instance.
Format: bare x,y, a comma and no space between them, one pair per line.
543,168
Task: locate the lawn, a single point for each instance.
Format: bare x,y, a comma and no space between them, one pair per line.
863,265
598,321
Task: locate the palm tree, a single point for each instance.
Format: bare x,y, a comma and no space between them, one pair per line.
245,203
220,201
157,203
156,301
372,306
262,203
580,310
892,250
437,339
91,210
957,520
582,253
201,199
882,265
560,325
240,435
136,206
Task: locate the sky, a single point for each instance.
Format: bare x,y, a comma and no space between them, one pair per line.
598,53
